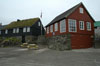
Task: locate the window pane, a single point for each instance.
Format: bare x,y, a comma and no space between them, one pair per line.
38,23
24,29
47,30
72,25
56,26
63,26
6,31
28,29
14,30
51,28
17,31
81,25
88,26
81,10
0,31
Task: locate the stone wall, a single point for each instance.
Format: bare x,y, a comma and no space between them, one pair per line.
36,39
41,40
59,42
19,37
11,41
31,39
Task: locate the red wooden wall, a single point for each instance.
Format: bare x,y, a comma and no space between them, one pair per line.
78,17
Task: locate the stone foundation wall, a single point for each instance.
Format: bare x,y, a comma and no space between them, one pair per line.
19,37
60,42
36,39
31,39
41,40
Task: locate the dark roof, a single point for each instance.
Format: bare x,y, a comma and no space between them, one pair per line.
2,26
21,23
97,24
65,14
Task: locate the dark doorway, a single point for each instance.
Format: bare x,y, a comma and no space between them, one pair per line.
23,39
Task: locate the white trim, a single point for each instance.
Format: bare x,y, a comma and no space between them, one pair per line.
72,23
24,29
39,24
81,25
88,24
6,31
0,32
62,26
81,10
17,30
47,30
56,26
28,29
51,28
14,30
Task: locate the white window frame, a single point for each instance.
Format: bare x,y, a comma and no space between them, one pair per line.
51,28
81,10
0,32
56,26
14,30
24,29
72,25
28,29
6,31
17,30
39,24
81,25
47,30
88,24
62,26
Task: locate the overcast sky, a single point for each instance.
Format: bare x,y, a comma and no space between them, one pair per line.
11,10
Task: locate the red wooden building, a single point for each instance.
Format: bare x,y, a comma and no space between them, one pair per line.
78,22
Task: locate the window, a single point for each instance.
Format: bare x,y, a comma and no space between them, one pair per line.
81,25
38,23
56,26
47,30
0,31
88,26
81,10
51,28
17,30
6,31
72,25
24,29
28,29
62,26
14,30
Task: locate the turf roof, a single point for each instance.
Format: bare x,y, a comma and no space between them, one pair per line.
21,23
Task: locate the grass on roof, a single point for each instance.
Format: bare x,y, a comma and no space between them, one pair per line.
21,23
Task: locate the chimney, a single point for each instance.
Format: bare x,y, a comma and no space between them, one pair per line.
18,20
